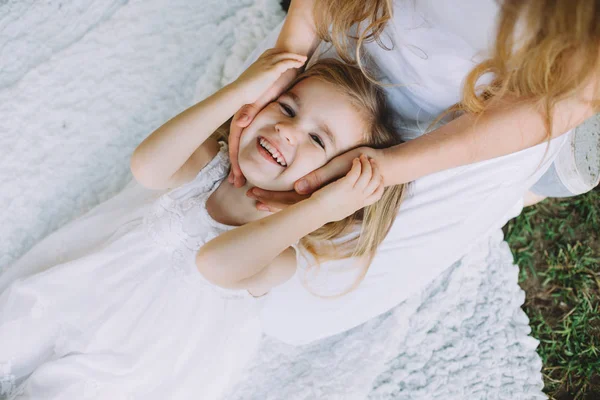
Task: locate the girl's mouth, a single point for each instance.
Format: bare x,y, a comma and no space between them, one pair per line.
269,152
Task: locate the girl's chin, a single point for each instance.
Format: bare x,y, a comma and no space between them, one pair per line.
265,179
265,184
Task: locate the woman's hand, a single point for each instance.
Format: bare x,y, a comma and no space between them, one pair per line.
246,114
361,187
336,168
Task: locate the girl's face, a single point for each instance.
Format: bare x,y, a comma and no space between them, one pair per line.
299,132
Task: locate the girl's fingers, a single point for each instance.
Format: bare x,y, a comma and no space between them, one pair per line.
354,173
375,196
366,173
376,178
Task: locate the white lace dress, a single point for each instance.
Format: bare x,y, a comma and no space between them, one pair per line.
131,318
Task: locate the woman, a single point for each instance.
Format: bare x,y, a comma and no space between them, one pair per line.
545,83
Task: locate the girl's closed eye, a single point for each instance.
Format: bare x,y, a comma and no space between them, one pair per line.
317,140
287,110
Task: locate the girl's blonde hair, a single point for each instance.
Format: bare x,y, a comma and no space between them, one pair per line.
545,50
337,240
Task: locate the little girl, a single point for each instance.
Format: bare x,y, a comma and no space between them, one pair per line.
165,307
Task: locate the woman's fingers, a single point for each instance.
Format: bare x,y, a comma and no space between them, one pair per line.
284,65
274,201
236,175
245,115
288,56
268,208
334,169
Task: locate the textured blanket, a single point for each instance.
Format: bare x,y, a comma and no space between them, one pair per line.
83,82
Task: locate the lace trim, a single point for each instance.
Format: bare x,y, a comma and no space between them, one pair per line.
169,211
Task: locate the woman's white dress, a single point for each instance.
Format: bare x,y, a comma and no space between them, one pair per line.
128,317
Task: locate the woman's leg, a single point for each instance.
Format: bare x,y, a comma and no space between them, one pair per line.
576,169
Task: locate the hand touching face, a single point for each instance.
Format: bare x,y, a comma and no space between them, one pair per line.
299,132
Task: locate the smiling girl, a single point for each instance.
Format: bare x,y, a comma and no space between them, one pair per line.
165,307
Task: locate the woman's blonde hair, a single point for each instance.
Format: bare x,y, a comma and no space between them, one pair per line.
335,19
545,50
359,234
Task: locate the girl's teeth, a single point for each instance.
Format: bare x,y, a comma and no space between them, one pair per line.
274,153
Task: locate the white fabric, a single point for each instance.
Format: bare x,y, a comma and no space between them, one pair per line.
463,337
445,213
133,318
111,71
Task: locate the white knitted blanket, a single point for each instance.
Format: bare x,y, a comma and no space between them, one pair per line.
82,82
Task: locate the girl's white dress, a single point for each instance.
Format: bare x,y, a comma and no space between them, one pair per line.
128,316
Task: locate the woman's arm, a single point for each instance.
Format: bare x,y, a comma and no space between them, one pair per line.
298,34
506,127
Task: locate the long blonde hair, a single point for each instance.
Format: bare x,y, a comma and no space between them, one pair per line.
333,240
545,50
367,17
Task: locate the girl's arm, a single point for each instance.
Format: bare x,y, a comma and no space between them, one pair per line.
164,159
161,160
243,252
276,273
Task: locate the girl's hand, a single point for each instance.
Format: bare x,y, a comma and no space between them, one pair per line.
264,72
246,114
336,168
362,186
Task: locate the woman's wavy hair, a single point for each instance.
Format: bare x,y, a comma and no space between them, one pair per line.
336,19
359,234
545,50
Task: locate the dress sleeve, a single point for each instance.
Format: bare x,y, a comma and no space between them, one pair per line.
207,178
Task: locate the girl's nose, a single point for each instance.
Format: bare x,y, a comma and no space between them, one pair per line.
288,132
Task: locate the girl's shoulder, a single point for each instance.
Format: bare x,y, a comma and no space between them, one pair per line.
217,169
219,165
210,175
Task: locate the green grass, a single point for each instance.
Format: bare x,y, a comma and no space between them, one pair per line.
556,244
